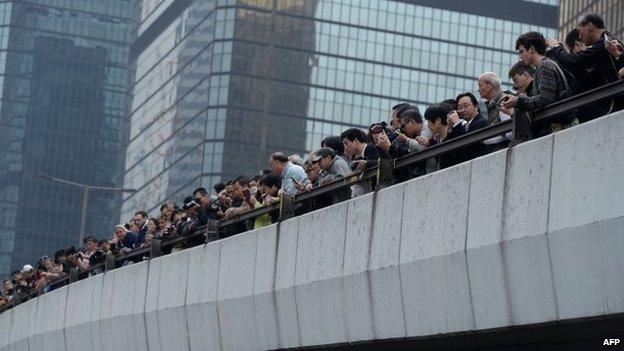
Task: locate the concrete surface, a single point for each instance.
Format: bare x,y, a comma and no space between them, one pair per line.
523,236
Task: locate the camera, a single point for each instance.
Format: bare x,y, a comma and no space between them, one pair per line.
97,257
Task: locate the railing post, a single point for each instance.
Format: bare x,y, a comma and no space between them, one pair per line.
521,130
212,230
73,275
156,248
109,264
385,168
287,207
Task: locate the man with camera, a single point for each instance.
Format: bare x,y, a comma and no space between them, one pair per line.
444,126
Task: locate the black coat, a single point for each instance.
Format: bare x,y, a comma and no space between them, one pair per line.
475,150
452,158
592,67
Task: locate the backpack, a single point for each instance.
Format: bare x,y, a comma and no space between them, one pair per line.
570,82
571,88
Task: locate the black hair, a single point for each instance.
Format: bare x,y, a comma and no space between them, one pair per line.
15,272
142,213
88,238
412,115
200,190
164,205
594,19
335,143
437,111
280,157
241,179
399,106
58,254
219,187
353,134
451,104
402,107
271,180
520,68
534,39
470,95
571,38
175,212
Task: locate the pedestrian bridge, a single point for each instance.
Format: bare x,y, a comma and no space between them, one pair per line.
529,237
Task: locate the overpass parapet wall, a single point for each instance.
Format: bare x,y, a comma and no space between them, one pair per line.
526,235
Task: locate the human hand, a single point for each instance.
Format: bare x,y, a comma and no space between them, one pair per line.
453,118
402,137
298,185
422,140
509,101
551,43
381,140
615,48
361,166
229,213
621,74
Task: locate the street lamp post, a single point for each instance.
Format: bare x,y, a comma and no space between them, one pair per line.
85,197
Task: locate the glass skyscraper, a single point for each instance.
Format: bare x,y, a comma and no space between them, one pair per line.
572,11
64,76
221,84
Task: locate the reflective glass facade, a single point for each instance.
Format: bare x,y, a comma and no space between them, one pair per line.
221,84
572,11
64,76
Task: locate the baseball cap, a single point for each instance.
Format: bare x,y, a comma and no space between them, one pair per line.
326,151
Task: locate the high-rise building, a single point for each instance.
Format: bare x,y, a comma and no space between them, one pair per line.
572,11
221,84
65,77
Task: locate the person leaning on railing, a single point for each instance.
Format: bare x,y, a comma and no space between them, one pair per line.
264,195
595,58
549,84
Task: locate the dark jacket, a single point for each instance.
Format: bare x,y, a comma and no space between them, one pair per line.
454,157
477,123
593,67
595,60
548,85
129,241
479,149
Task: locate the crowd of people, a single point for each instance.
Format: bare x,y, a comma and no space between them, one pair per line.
547,72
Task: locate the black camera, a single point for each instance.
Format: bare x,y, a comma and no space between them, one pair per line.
97,257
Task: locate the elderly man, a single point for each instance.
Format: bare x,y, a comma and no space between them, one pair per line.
291,174
490,90
332,167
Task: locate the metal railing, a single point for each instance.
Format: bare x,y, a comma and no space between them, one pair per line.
380,175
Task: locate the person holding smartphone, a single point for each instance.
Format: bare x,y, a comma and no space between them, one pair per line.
290,174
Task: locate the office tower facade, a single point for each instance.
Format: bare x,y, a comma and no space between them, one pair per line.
221,84
63,113
572,11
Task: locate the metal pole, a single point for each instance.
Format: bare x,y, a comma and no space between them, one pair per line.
83,216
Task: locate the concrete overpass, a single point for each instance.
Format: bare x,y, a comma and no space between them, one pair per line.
514,242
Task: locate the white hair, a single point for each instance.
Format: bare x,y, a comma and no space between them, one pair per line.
492,78
296,159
